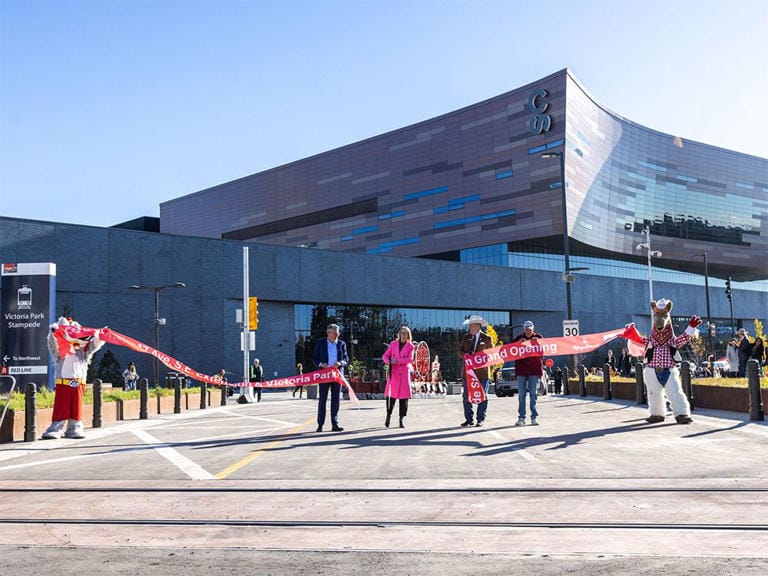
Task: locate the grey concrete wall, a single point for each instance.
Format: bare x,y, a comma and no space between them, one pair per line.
95,267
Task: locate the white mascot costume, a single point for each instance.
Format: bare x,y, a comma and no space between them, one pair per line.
72,348
661,374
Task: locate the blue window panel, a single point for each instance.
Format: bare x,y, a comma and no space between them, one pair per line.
686,178
744,186
395,214
583,138
502,175
387,246
472,219
346,238
554,144
423,193
449,208
501,214
472,198
365,230
555,185
547,146
652,166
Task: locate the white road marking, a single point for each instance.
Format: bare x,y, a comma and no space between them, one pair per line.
51,461
190,468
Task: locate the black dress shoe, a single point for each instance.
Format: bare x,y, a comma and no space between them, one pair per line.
402,424
319,429
337,429
465,424
480,423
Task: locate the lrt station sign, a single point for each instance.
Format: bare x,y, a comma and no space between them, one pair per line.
27,306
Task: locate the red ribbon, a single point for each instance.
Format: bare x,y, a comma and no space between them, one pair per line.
554,347
323,376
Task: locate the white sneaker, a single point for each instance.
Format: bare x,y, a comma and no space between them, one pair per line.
54,430
520,422
534,422
75,429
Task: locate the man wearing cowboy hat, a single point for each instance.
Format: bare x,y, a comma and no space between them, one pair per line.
473,341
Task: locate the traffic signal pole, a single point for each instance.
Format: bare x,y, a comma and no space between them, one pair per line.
729,295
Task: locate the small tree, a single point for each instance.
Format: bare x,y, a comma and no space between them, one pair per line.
698,348
491,331
109,369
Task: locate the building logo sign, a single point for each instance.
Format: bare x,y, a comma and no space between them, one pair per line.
539,103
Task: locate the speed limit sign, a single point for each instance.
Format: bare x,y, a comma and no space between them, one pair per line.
570,327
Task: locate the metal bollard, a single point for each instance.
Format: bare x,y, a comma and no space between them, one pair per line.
607,392
756,411
177,396
224,395
144,398
30,412
639,384
582,371
203,395
97,403
685,377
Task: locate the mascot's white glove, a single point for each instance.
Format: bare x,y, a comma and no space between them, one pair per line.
693,324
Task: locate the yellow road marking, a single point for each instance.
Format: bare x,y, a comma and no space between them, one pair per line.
253,455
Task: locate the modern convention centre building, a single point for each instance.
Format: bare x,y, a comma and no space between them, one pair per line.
460,214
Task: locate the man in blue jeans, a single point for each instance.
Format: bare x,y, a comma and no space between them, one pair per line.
528,371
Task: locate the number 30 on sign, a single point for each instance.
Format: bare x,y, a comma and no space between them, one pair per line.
570,327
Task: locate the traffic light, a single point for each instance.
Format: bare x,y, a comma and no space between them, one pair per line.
253,313
728,288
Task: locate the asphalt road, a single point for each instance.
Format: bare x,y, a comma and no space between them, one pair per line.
253,489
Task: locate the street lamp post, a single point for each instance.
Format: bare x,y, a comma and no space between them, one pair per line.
709,317
647,245
568,276
157,320
566,246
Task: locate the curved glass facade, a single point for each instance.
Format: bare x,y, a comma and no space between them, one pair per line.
694,198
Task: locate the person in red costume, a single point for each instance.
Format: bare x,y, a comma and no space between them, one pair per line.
661,375
72,348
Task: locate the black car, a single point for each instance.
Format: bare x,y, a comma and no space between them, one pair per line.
505,381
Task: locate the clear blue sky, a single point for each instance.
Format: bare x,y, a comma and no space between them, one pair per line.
108,108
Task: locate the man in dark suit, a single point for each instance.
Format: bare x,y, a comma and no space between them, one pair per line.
474,341
330,352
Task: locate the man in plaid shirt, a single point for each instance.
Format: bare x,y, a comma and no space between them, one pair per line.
661,374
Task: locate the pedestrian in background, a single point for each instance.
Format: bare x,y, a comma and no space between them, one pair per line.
256,374
130,377
399,358
300,388
744,345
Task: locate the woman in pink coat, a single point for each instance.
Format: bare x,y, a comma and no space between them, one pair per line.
399,357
